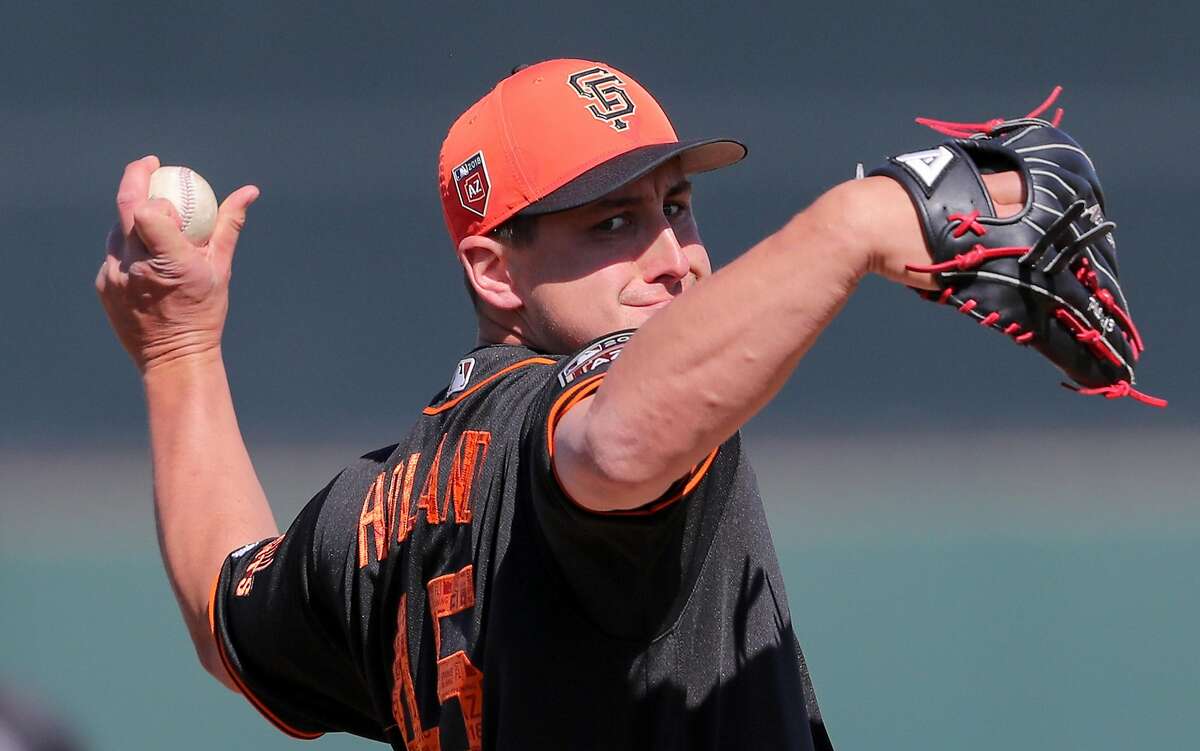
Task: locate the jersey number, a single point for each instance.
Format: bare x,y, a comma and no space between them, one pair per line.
456,677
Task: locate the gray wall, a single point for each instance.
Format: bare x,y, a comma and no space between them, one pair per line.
346,310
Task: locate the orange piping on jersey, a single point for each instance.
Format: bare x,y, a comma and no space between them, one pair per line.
212,607
696,474
565,401
486,381
699,473
237,679
576,394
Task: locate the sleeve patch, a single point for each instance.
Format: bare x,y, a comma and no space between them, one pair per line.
597,354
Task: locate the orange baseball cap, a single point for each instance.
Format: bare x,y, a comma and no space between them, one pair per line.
557,135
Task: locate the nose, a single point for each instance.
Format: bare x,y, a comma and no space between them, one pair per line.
664,262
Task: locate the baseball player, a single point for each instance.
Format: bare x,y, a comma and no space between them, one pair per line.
567,549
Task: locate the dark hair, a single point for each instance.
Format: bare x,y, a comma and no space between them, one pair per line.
516,230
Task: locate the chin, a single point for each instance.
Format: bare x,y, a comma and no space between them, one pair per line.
629,317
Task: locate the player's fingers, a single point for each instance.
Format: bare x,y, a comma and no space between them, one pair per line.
1006,191
231,219
134,188
102,275
156,224
117,250
110,277
114,244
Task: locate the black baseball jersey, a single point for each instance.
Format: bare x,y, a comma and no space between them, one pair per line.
446,593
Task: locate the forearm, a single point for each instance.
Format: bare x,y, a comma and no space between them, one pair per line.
208,500
703,366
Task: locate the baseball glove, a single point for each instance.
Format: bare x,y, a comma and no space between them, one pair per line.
1047,276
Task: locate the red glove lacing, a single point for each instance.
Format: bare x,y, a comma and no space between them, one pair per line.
966,130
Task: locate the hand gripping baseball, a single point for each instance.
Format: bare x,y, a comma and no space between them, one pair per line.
165,297
1045,276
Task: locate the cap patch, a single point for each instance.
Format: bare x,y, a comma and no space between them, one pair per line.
610,103
598,353
472,183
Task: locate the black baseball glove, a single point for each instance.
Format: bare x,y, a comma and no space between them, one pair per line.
1047,276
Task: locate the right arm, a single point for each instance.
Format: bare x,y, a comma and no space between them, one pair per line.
166,301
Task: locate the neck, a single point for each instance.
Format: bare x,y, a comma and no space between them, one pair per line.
494,331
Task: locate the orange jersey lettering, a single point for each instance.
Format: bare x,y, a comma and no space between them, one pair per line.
471,451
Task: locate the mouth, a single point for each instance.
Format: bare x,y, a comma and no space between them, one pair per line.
653,299
651,305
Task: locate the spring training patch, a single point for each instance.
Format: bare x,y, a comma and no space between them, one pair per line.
472,183
598,353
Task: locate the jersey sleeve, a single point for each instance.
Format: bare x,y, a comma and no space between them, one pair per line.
284,614
625,566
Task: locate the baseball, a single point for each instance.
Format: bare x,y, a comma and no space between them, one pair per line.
193,199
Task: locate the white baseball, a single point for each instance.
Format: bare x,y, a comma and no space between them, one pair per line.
193,199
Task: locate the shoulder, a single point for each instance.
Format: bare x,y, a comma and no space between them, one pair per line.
363,470
491,372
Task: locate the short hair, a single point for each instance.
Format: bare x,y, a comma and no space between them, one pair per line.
517,230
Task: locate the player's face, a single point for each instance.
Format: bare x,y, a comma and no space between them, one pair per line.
610,264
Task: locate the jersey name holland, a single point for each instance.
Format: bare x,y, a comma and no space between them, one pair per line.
444,593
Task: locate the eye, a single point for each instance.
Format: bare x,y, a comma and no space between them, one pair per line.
612,224
674,209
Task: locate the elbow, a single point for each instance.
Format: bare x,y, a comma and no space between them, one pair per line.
208,651
607,469
650,451
210,659
630,463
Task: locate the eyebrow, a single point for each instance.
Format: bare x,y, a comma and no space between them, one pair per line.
682,186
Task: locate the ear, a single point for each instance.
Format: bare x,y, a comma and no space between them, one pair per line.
486,262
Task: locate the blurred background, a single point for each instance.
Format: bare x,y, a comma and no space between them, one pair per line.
975,557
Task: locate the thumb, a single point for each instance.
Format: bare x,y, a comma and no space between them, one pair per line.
231,218
1006,191
156,222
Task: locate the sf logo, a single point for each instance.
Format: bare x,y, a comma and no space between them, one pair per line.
610,102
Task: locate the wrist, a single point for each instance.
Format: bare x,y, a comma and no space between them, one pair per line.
835,219
181,366
863,205
880,213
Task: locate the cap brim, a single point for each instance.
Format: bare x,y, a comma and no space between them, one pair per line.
698,155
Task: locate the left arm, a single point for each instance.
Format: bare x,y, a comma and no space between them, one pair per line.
705,364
